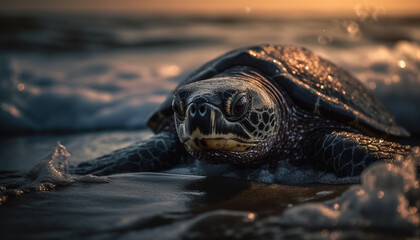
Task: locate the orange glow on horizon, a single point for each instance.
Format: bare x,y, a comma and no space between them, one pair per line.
255,7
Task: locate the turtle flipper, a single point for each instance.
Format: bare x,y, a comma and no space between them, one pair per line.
160,152
348,154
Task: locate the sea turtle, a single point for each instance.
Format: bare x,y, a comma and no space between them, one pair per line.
261,105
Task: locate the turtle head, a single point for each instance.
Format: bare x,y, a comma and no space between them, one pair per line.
228,119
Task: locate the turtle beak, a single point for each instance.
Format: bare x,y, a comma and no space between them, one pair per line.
205,129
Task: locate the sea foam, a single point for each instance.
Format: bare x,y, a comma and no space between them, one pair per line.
387,199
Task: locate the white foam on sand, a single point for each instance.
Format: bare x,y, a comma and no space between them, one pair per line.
387,199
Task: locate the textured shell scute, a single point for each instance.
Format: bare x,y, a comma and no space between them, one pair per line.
339,93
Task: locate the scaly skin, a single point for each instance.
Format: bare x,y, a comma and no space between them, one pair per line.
348,154
159,152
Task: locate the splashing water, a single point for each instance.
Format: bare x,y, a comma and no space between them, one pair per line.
47,174
387,199
53,169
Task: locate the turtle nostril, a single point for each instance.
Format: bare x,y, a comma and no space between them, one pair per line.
202,110
192,110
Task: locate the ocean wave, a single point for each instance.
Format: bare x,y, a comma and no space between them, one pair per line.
61,35
393,74
121,68
95,96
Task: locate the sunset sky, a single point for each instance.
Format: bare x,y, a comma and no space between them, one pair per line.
289,7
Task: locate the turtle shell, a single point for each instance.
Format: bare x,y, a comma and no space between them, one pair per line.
312,83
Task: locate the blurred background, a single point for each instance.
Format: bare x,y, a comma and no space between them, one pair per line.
87,65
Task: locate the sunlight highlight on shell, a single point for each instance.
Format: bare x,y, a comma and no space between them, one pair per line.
402,64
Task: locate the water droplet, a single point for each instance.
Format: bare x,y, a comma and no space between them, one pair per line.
336,206
21,87
251,216
252,53
325,39
402,64
372,85
352,28
361,11
330,78
366,11
381,194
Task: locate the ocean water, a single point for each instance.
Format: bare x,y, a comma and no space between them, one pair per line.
91,82
67,73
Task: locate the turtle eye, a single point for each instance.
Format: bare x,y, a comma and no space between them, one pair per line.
240,105
178,109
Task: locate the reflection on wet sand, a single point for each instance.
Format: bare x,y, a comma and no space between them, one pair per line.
261,198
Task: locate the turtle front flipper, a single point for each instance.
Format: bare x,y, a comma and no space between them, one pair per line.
348,154
160,152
